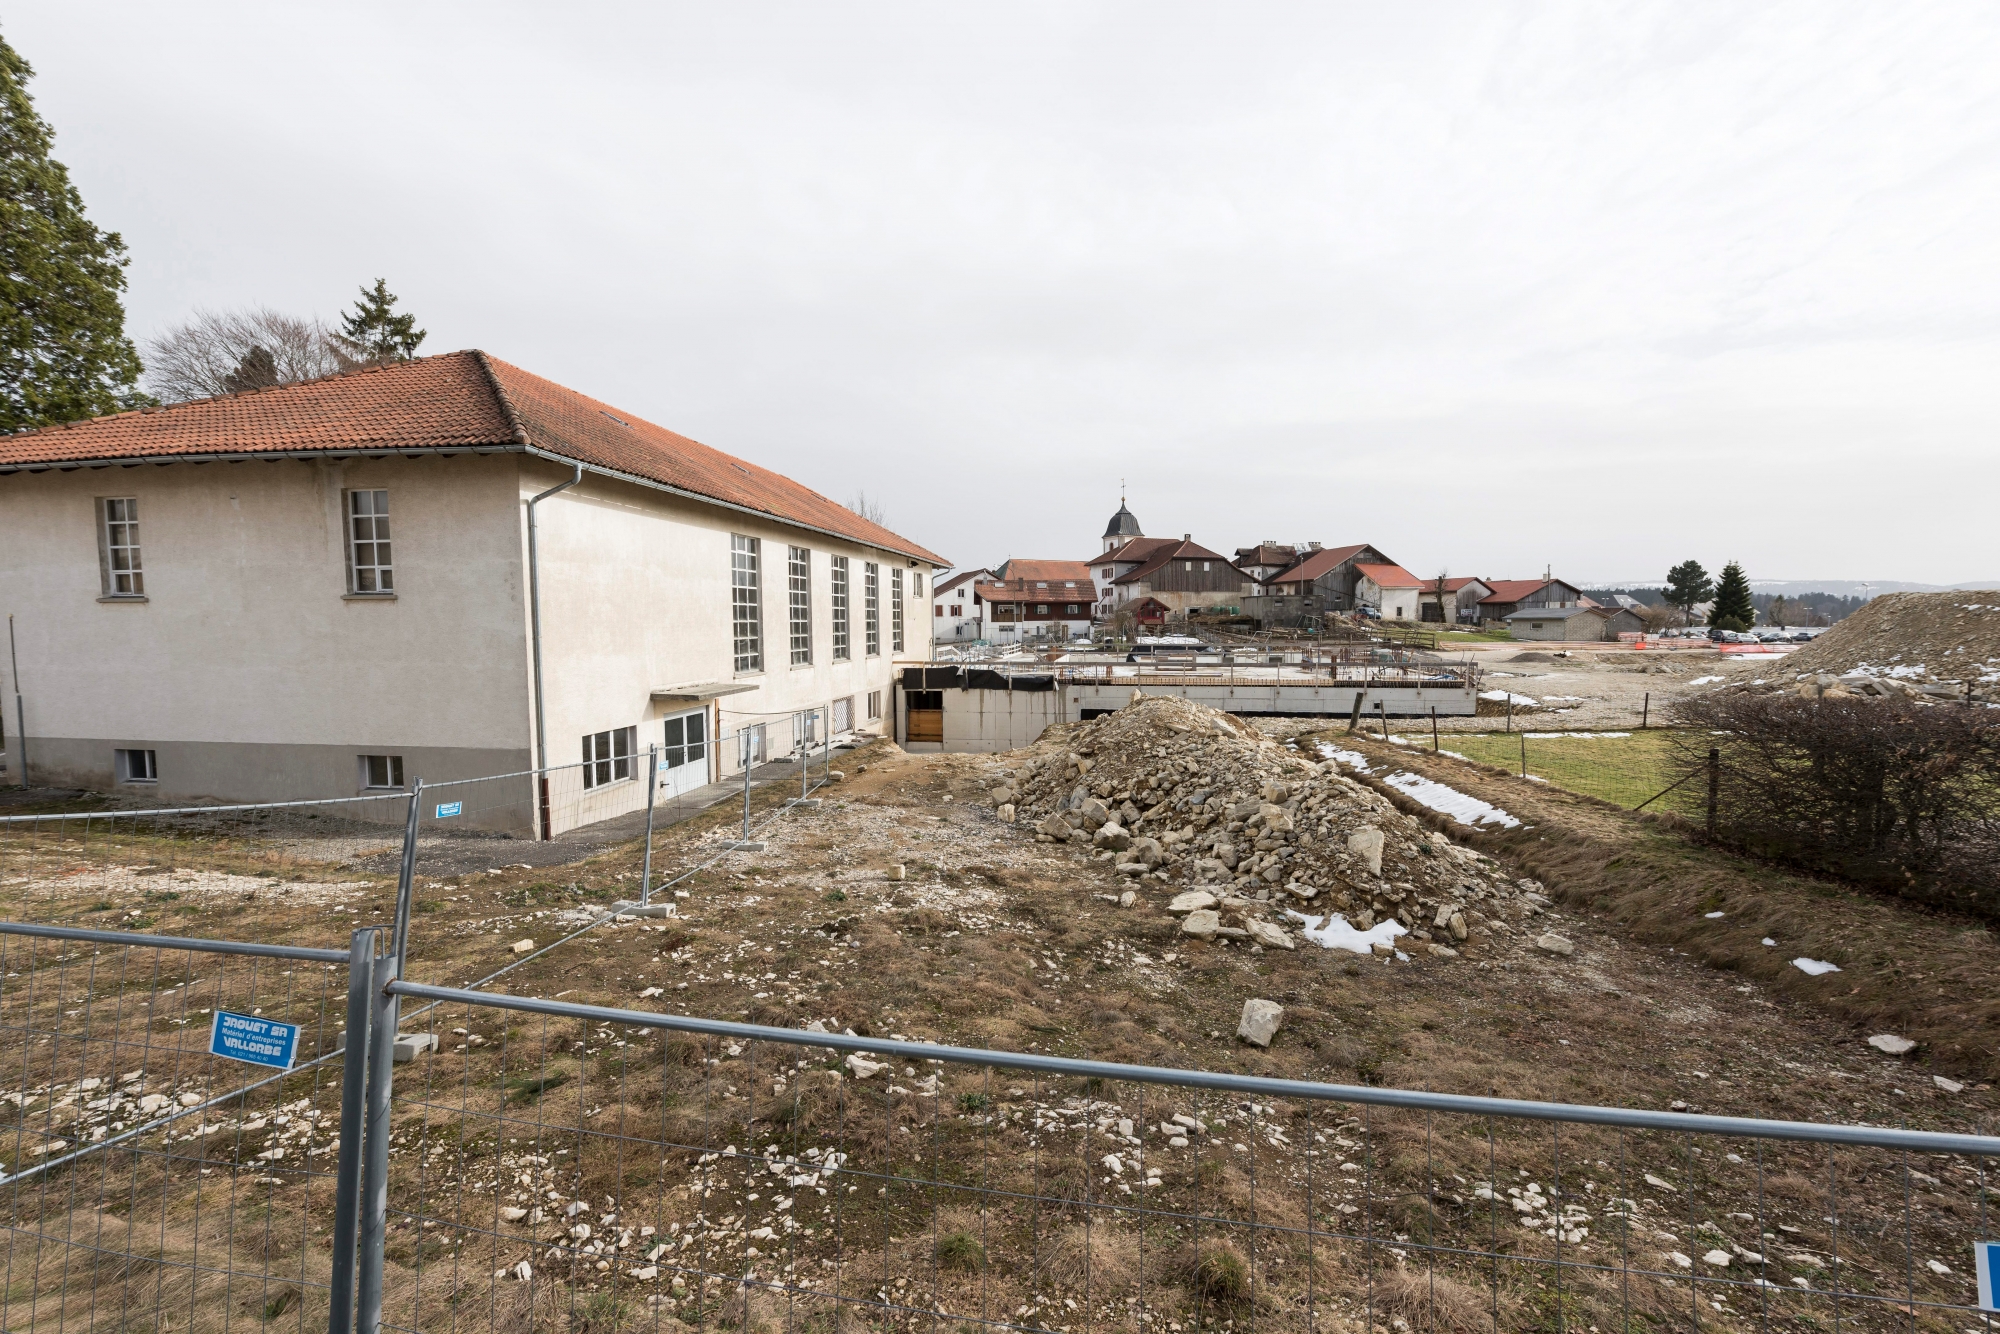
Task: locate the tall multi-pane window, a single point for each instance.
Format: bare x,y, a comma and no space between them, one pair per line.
370,569
118,535
841,651
896,610
798,594
871,606
607,756
746,603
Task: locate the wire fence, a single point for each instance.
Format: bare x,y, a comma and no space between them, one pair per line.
565,1163
146,1181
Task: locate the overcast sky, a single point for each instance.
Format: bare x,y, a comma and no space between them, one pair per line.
1494,287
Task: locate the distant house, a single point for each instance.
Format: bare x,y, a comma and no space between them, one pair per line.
1268,559
954,614
1390,590
1512,595
1576,623
1182,574
1321,583
1462,597
1048,599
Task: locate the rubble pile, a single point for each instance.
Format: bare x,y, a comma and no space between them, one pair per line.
1257,835
1915,646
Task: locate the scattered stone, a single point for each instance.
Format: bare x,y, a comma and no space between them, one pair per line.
1202,924
1555,944
1191,901
1260,1020
863,1067
1367,844
1948,1085
522,947
1719,1258
1270,936
1005,812
898,871
1892,1044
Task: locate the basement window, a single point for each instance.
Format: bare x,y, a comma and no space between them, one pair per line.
136,766
382,771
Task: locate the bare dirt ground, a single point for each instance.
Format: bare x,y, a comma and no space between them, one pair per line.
752,1185
1590,690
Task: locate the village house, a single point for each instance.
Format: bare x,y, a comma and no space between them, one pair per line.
1460,604
1323,583
1179,576
1390,591
1576,622
1512,595
1268,559
1037,599
955,615
439,568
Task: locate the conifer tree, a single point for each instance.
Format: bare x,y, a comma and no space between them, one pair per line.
1733,608
64,355
374,332
1687,585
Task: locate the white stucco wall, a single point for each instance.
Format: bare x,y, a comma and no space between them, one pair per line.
245,641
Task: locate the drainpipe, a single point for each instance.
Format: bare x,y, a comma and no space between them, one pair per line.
535,624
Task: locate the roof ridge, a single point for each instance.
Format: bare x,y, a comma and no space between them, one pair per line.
500,395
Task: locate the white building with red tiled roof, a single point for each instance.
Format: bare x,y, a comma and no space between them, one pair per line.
324,588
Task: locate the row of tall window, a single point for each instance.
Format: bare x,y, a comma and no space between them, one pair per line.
746,604
371,567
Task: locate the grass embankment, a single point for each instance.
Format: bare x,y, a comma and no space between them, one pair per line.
1905,970
1624,769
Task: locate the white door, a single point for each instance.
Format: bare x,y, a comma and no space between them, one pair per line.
684,755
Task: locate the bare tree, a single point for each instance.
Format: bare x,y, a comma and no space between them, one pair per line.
1443,593
227,352
871,510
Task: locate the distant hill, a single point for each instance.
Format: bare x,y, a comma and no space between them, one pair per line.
1853,588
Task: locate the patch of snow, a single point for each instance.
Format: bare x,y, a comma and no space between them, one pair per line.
1815,967
1456,756
1769,941
1502,696
1704,680
1550,736
1353,759
1333,932
1466,810
1711,916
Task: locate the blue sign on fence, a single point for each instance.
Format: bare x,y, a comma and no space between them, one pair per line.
245,1037
446,808
1985,1260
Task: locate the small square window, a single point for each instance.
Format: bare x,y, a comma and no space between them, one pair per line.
382,771
137,766
607,756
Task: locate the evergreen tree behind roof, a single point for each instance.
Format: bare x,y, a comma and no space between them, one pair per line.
1733,608
375,331
64,355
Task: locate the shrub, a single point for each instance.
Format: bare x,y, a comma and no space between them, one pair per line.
960,1251
1901,796
1220,1272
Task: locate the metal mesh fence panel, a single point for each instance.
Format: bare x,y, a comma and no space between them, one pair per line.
602,1168
146,1181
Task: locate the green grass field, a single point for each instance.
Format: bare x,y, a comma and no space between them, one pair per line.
1625,769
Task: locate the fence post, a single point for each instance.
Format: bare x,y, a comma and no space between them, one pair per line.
745,734
353,1096
1714,784
805,753
1645,710
1524,754
652,794
1382,716
374,1194
21,717
1353,721
1434,729
406,874
1510,709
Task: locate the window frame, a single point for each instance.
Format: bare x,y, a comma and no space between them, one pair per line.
896,609
874,706
746,604
871,608
839,592
391,770
123,766
604,762
380,570
798,597
126,522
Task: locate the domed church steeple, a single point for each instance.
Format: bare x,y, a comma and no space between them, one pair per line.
1122,528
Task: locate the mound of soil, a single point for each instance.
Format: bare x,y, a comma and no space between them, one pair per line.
1914,636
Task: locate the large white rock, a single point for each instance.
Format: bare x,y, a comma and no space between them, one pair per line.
1202,924
1892,1044
1260,1020
1270,936
1113,836
1367,845
1191,901
1554,944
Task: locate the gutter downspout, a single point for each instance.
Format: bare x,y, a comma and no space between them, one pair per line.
535,623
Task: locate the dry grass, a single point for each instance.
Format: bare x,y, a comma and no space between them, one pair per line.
995,940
